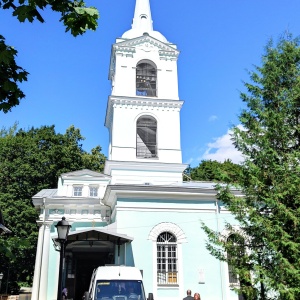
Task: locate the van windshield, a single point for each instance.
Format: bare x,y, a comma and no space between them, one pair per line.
119,290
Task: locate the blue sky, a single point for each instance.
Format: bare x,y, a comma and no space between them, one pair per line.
219,41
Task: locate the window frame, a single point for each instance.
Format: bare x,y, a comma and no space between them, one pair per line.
167,259
77,190
94,188
146,79
146,142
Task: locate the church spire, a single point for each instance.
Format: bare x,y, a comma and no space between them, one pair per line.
142,16
142,22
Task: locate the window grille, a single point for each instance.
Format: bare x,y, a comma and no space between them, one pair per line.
146,137
146,77
77,191
93,192
167,273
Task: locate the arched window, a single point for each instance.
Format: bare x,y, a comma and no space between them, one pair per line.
146,128
235,253
166,258
146,75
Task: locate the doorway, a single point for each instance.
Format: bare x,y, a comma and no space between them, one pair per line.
80,269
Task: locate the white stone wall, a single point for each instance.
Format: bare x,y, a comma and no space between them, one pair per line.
125,116
125,72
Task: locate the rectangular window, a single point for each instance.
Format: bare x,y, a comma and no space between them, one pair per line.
77,191
93,192
167,264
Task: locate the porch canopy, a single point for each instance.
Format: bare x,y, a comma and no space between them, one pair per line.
95,235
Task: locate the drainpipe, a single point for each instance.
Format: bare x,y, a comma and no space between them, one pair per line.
221,266
109,208
118,251
125,252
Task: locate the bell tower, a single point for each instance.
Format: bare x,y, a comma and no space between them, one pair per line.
143,110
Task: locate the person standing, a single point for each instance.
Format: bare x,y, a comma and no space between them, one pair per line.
197,296
189,295
64,293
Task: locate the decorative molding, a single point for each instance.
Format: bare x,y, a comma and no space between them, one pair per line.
47,223
170,227
140,103
145,42
226,233
56,211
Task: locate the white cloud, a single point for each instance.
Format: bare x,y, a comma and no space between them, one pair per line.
189,161
212,118
222,149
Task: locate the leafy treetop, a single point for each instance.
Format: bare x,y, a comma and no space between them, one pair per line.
76,17
32,160
268,213
212,170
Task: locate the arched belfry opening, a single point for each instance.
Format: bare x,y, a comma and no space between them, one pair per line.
146,129
146,79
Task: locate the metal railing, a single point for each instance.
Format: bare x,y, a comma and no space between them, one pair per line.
168,278
148,151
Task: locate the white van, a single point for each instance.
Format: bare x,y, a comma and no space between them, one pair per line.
116,283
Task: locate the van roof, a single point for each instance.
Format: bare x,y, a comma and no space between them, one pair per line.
118,273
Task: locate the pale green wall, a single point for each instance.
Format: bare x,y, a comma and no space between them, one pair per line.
139,224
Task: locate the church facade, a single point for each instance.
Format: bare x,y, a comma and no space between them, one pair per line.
139,212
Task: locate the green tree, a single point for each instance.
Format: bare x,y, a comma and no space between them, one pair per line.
269,211
32,160
76,17
212,170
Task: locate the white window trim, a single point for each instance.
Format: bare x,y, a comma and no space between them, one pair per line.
77,186
226,233
181,238
93,187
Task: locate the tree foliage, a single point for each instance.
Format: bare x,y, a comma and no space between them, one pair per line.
269,211
10,75
212,170
76,17
32,160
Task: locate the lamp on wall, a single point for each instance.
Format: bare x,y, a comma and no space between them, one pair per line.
63,228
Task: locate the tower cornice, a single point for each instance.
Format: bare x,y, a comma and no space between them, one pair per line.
145,103
146,39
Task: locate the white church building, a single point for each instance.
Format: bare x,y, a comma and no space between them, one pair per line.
139,212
